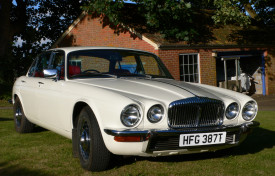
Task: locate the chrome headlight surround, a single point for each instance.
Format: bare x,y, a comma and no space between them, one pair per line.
232,111
155,113
250,110
130,115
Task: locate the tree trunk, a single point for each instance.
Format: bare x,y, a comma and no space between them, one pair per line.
5,27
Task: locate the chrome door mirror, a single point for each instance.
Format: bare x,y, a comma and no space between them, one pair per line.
50,73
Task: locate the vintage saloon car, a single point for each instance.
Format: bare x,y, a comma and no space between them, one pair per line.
125,102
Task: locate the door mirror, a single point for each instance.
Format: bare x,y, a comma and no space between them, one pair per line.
50,73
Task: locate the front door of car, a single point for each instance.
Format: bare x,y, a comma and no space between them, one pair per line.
28,91
52,100
30,86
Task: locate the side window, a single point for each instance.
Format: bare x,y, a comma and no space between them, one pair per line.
58,63
32,68
41,64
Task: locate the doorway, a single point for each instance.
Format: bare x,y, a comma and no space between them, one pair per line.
241,71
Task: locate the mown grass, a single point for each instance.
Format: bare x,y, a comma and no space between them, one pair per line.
44,153
4,103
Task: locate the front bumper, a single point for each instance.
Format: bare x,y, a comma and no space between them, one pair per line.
156,140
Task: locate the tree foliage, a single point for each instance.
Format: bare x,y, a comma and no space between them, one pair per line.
185,20
27,27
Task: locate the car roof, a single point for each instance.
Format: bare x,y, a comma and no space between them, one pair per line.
78,48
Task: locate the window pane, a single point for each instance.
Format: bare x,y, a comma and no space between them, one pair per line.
185,59
42,63
196,68
181,60
191,59
186,78
186,69
191,69
195,59
196,78
191,78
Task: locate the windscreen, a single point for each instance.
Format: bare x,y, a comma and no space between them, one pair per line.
119,63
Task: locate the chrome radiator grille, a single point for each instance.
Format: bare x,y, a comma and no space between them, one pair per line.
195,112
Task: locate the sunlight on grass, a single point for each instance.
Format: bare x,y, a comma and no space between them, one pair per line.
45,153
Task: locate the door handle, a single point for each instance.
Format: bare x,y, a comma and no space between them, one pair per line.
40,83
23,81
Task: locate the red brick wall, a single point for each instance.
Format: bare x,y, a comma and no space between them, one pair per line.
89,32
208,73
207,64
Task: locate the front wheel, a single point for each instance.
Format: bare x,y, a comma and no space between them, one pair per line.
92,152
21,123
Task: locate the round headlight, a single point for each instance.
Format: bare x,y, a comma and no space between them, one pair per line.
249,110
232,111
130,116
155,113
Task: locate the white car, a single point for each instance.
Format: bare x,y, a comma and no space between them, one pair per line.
117,101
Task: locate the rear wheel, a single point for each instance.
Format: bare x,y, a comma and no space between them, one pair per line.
21,123
92,152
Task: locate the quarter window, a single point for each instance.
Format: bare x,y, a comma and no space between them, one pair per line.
189,68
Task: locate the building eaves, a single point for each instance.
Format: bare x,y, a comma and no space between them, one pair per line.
83,14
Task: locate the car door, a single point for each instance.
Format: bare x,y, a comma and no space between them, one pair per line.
30,84
52,99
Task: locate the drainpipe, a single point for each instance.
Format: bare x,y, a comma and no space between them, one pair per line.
225,73
237,76
263,75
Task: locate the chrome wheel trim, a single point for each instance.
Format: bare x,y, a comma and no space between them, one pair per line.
84,140
18,116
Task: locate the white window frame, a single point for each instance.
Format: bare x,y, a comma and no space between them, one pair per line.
181,56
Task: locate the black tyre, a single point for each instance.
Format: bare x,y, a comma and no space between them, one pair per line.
21,123
92,152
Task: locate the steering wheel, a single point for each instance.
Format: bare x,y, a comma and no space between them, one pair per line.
91,70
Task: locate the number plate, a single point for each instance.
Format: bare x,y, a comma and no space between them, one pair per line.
202,139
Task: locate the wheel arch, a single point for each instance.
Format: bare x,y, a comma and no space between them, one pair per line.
79,106
14,97
76,111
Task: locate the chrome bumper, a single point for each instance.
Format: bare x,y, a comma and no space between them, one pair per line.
160,140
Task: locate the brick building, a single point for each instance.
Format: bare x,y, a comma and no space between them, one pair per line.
215,63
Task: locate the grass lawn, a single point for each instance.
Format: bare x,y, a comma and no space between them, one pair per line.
44,153
4,103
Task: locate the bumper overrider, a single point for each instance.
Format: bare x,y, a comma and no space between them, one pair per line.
156,140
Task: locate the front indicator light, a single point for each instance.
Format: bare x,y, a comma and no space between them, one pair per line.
131,138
